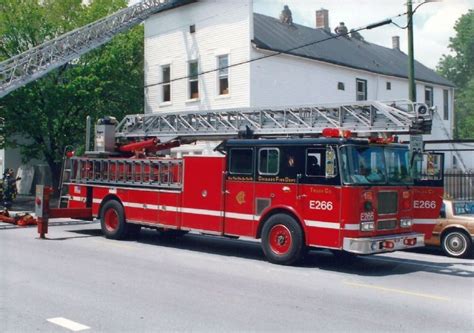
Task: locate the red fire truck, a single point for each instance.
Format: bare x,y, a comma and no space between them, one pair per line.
288,176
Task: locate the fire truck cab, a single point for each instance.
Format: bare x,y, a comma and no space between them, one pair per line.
341,194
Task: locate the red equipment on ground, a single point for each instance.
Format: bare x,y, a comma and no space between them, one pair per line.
21,219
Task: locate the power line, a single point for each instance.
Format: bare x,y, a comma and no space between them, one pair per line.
276,53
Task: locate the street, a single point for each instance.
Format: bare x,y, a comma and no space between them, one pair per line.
78,280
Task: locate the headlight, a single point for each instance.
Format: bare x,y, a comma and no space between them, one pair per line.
406,223
367,226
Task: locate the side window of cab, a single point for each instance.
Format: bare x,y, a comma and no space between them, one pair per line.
241,161
315,159
268,161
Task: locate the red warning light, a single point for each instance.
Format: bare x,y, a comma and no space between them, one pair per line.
336,133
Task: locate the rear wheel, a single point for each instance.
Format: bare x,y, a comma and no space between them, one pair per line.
112,220
282,240
456,243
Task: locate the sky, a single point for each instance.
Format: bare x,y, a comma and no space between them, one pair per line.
433,21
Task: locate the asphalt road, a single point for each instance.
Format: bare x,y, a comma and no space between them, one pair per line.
77,280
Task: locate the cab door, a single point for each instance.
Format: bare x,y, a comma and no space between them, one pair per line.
321,197
427,191
239,217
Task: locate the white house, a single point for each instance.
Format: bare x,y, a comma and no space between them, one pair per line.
203,36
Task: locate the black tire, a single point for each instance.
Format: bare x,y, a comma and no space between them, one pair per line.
112,220
456,243
282,240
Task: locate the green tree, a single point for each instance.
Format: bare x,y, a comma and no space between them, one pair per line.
48,114
459,68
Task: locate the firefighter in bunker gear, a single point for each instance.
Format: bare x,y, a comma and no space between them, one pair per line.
9,189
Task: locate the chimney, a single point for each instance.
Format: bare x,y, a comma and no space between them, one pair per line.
396,43
322,19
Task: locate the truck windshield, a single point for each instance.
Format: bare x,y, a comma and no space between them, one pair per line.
375,165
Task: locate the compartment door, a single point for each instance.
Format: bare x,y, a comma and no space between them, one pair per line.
202,199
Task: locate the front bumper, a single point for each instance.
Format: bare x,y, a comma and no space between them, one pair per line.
382,244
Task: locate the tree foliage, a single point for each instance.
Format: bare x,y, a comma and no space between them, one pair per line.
48,114
459,68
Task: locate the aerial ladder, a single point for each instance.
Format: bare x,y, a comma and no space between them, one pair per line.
365,119
40,60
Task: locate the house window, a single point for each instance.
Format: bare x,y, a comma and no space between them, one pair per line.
445,104
429,96
361,90
389,85
340,86
268,161
455,162
192,28
223,73
193,79
166,84
241,161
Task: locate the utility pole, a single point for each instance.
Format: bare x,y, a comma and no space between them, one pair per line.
416,140
411,60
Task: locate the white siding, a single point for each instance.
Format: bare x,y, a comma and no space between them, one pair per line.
222,27
287,80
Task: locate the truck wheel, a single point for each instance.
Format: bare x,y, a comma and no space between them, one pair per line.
456,243
282,240
112,220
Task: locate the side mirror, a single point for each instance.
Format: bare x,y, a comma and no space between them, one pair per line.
330,162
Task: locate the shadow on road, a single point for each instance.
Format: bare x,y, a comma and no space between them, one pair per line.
375,265
87,233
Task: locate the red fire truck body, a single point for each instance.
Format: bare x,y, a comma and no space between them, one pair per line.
335,193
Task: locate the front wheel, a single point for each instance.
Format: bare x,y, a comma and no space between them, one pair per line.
456,244
282,240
